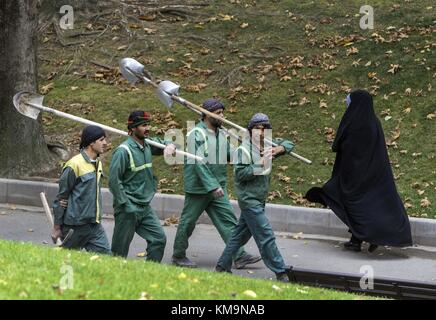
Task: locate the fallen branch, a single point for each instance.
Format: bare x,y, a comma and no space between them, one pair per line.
79,34
101,65
193,37
257,56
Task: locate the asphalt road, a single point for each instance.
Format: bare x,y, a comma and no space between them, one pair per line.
29,224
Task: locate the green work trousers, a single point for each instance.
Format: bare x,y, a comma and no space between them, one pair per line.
220,211
146,224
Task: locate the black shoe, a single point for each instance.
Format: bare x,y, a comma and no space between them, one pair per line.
219,269
353,246
282,277
285,276
184,262
372,247
245,260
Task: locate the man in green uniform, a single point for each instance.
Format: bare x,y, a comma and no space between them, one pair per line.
205,187
252,180
78,203
133,186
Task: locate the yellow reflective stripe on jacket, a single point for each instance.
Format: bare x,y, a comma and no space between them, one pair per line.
99,173
79,165
201,131
133,167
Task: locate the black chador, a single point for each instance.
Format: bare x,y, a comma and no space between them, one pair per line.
361,191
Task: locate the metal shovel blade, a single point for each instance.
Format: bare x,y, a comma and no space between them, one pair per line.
165,90
127,65
21,102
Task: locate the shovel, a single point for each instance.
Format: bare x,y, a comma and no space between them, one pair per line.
30,105
168,91
48,213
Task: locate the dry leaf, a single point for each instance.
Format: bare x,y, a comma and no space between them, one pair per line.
301,291
304,101
141,254
430,116
150,31
298,236
171,220
45,89
93,258
120,48
408,205
356,63
330,134
274,194
226,17
250,293
145,296
372,75
284,178
244,25
352,50
394,68
149,17
323,104
425,203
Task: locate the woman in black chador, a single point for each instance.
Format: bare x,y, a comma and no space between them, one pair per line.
361,191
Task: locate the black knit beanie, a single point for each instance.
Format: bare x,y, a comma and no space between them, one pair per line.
90,134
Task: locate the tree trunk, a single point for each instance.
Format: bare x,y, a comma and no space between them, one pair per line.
23,150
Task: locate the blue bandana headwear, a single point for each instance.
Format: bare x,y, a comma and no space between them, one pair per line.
348,100
259,119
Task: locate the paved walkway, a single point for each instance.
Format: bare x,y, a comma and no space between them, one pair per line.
307,251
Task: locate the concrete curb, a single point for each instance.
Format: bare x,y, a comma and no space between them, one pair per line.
282,217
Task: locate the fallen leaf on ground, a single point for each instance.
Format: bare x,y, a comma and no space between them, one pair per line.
425,203
145,296
250,293
45,89
302,291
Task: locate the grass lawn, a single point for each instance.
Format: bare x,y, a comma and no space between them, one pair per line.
35,272
294,60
